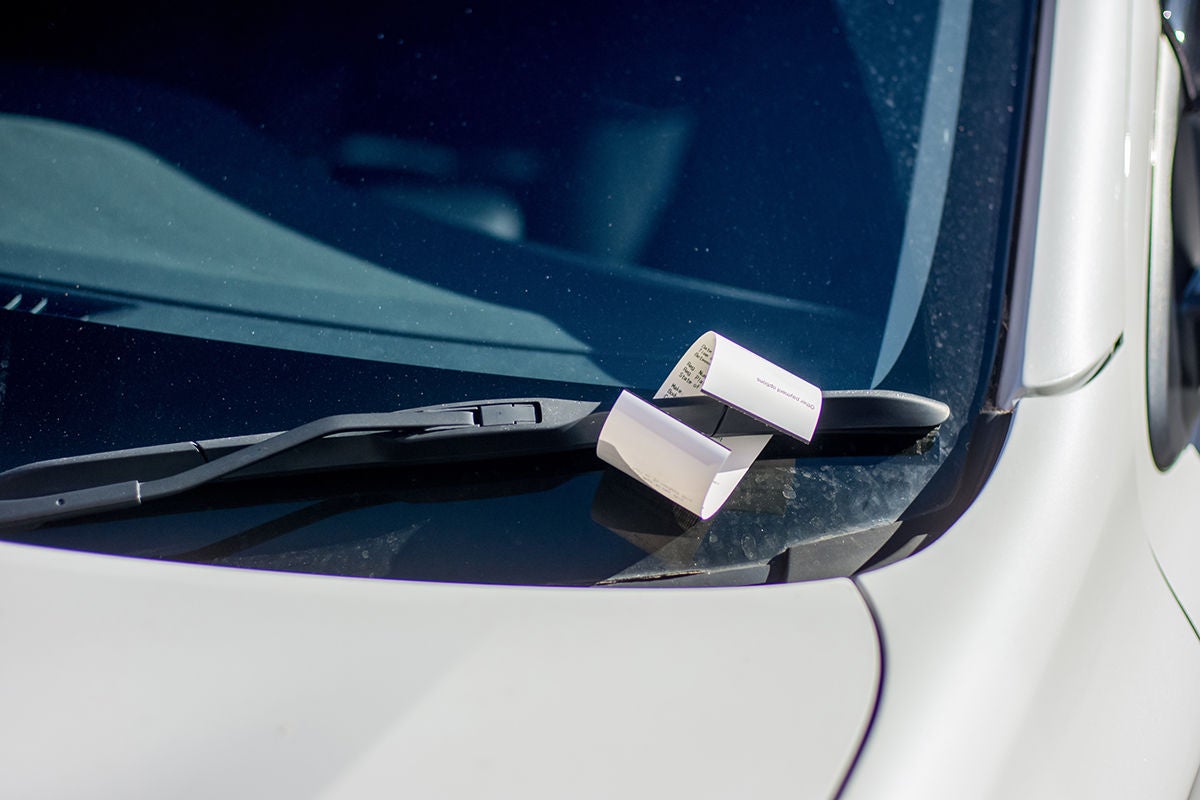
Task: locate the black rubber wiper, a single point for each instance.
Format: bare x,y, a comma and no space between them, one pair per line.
852,422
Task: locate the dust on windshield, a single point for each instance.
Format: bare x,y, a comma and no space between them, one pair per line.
459,184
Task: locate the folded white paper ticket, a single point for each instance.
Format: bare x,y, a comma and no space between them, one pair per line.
695,471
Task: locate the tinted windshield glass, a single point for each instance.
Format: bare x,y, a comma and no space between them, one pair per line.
501,199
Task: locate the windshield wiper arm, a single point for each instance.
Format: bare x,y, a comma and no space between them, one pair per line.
490,429
240,453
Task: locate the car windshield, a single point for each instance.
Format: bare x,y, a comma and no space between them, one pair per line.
217,222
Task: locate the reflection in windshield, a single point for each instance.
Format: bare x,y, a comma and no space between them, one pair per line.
689,166
173,244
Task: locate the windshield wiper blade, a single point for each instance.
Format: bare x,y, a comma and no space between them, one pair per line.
114,489
491,429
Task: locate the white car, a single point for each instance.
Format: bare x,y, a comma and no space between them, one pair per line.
216,224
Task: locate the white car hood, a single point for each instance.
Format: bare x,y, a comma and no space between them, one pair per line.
130,678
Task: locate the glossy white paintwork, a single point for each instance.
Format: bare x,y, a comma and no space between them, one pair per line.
1076,302
128,678
1035,649
1161,502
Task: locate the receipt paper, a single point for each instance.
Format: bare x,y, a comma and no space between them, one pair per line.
695,471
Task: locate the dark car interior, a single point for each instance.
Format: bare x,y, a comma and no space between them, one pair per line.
658,135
